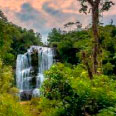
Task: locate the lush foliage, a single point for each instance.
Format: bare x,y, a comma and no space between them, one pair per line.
70,92
68,42
6,78
10,107
67,89
72,44
13,41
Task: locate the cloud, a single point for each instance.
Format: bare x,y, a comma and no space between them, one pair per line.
42,15
50,10
32,18
27,13
59,18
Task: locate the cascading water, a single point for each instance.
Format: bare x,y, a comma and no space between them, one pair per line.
30,68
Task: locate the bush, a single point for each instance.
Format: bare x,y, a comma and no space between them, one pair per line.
10,107
111,111
76,93
6,77
94,95
48,107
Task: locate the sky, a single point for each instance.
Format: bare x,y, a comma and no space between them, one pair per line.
43,15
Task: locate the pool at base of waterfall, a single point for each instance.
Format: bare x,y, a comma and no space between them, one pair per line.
30,69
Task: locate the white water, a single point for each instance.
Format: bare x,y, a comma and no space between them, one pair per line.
24,68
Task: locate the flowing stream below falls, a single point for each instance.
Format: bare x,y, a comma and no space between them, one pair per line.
30,68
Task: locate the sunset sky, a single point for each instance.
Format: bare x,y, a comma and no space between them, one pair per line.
42,15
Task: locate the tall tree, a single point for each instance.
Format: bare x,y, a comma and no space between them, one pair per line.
2,16
95,7
54,35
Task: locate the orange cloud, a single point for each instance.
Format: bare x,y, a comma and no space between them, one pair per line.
66,6
54,13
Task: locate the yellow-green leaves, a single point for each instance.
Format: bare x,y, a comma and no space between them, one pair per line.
6,77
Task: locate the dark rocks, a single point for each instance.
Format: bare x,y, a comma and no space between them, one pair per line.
26,95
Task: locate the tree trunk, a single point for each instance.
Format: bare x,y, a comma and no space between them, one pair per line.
95,21
90,74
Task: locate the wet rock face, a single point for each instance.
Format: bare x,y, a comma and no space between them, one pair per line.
34,63
25,95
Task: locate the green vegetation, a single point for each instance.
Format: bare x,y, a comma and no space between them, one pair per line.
82,83
69,92
68,89
72,45
13,41
9,106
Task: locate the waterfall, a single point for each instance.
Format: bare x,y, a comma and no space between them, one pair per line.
30,69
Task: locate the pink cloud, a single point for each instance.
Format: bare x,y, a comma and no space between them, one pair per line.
66,6
68,10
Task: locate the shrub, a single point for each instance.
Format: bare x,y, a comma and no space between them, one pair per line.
6,77
10,107
77,94
111,111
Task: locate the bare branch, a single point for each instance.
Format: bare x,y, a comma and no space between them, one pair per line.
90,2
